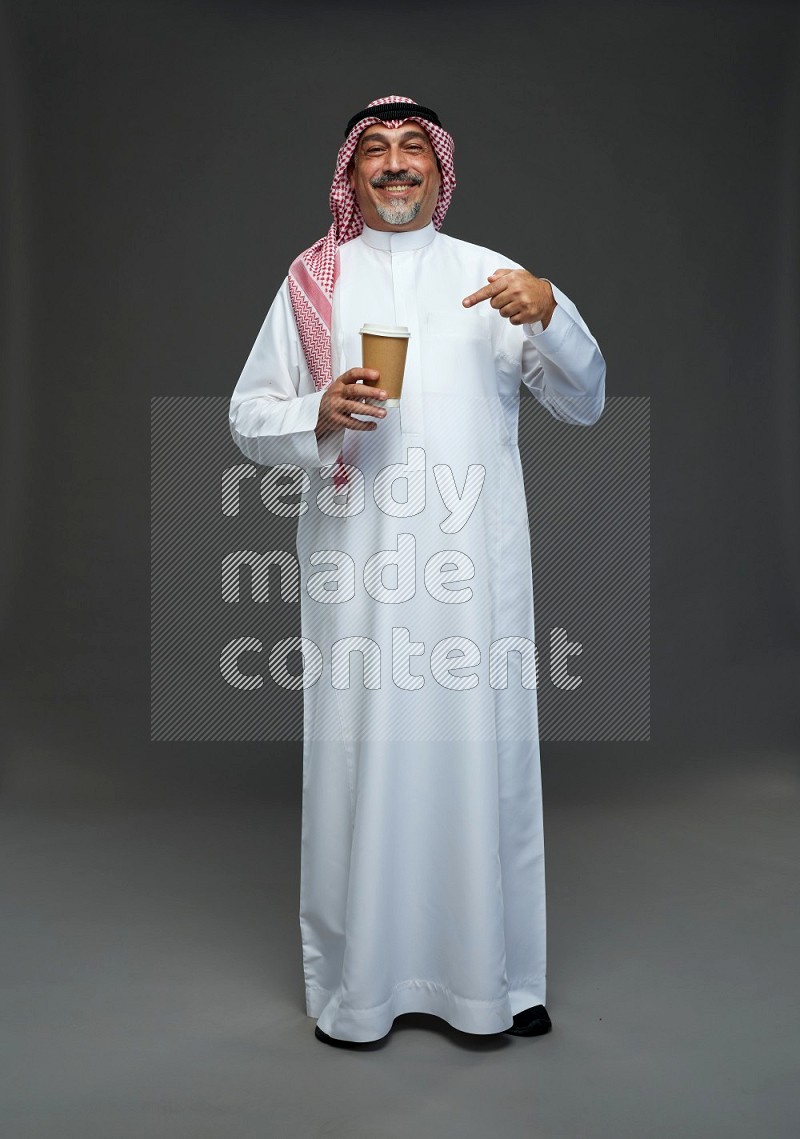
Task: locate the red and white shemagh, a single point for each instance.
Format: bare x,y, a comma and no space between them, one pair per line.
313,274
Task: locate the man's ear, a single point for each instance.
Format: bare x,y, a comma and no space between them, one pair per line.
351,171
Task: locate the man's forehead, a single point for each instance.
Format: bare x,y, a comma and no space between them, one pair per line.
387,134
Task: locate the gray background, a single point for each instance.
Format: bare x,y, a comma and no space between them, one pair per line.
161,166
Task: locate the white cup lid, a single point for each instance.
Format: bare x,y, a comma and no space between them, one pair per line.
399,330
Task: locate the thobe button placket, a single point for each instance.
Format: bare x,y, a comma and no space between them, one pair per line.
406,313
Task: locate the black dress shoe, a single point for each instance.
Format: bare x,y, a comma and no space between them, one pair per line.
531,1022
357,1045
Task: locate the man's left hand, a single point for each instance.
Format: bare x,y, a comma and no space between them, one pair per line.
517,295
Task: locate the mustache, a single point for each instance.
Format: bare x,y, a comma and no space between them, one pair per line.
381,180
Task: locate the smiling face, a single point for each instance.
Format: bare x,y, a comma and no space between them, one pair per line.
395,177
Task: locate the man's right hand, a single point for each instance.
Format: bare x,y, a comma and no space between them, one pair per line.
345,396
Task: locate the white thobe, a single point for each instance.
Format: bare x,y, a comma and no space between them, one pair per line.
422,862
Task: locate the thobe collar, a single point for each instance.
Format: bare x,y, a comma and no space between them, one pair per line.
398,241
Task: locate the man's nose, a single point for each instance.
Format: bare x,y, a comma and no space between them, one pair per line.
395,160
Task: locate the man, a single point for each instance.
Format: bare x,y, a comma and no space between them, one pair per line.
422,870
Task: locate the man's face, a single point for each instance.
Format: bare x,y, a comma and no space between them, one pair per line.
395,177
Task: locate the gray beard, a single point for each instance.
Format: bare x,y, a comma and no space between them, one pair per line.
398,215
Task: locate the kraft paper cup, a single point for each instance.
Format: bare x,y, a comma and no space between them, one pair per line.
384,347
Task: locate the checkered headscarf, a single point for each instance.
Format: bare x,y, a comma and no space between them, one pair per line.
313,274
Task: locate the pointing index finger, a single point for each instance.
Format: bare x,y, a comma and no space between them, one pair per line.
481,295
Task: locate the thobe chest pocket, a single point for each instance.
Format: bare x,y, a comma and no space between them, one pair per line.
459,372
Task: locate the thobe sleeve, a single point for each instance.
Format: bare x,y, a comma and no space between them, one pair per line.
562,365
270,421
